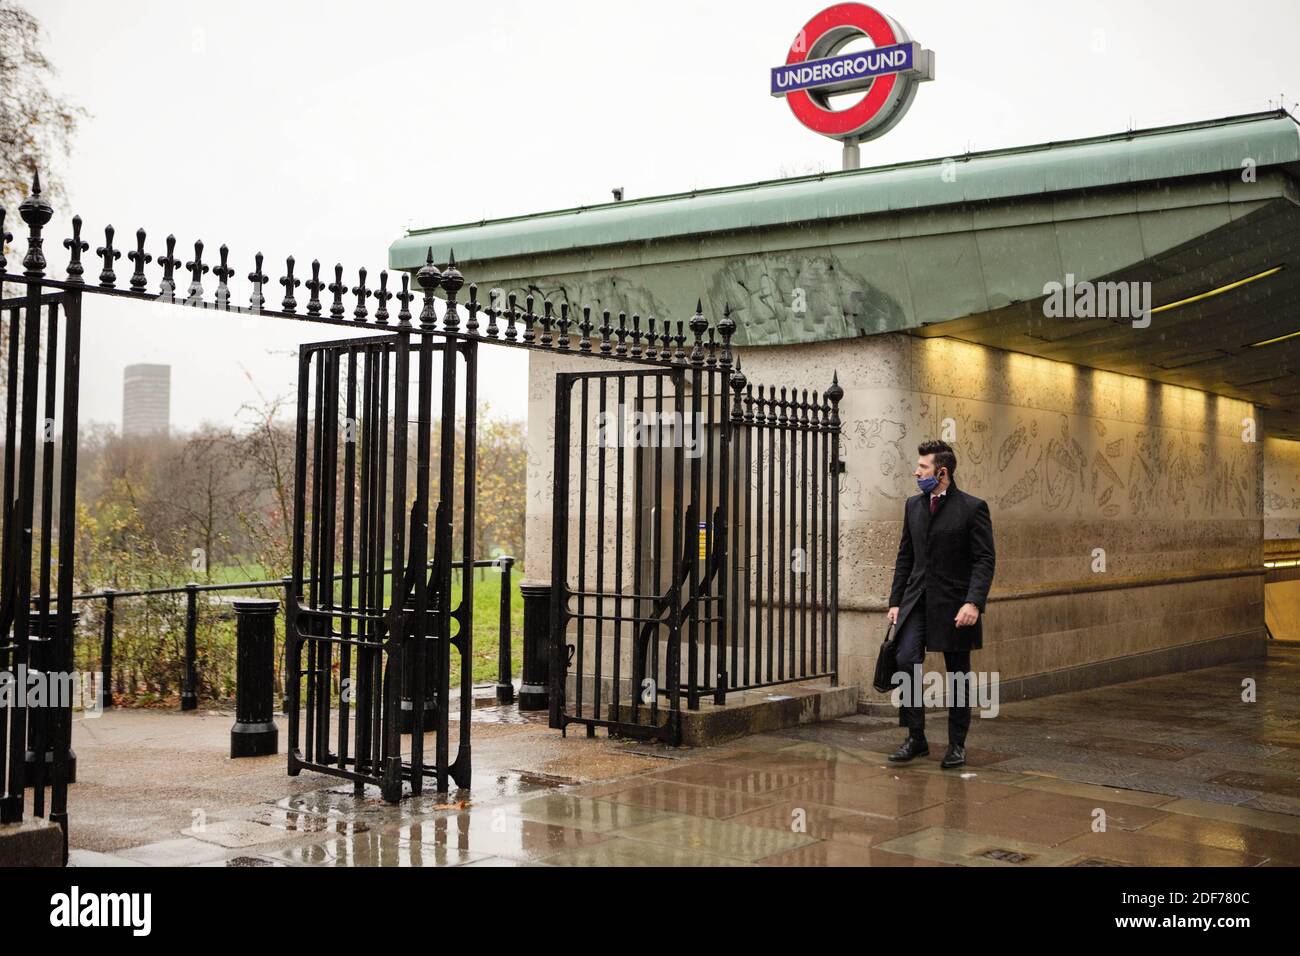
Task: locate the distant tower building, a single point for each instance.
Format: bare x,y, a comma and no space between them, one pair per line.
146,399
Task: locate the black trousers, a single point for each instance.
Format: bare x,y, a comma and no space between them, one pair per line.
911,656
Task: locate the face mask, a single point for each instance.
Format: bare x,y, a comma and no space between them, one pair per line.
927,484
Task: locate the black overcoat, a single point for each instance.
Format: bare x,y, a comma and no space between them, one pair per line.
945,561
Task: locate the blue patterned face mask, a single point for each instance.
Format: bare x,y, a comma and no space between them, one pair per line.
927,484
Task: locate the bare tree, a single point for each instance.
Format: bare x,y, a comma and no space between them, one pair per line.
36,125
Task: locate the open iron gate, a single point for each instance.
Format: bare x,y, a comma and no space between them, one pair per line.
694,538
364,659
618,590
371,662
39,514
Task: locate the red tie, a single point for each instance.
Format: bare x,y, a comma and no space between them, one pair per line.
934,503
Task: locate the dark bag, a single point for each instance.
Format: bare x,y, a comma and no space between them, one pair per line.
886,663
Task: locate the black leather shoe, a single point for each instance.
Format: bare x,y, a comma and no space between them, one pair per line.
955,757
911,748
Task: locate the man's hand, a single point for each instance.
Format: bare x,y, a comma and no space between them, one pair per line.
967,616
893,615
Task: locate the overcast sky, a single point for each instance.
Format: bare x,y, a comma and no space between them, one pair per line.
324,129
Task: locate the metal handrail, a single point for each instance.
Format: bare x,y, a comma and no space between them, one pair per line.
189,690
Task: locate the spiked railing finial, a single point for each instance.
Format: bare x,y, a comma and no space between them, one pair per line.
290,304
223,272
314,286
429,279
362,293
698,325
548,319
512,316
107,278
493,313
834,394
472,307
452,281
621,348
605,330
585,327
382,296
140,258
530,317
76,245
635,350
169,262
726,328
197,270
564,327
257,300
338,287
737,383
36,212
404,297
738,379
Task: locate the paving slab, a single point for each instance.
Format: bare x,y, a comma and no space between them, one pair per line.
1185,773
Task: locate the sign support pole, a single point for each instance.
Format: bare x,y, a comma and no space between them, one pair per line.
851,159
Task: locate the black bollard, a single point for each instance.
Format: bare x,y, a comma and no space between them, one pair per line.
255,733
533,687
39,724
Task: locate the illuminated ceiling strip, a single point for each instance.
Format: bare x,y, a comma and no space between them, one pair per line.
1280,338
1219,291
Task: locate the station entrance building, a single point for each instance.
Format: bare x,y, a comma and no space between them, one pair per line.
1108,329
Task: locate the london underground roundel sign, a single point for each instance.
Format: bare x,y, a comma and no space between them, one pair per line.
815,68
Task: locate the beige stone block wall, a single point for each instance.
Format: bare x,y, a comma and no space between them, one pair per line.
1281,490
1107,493
1093,480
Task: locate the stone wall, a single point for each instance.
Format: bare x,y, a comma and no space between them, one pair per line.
1128,514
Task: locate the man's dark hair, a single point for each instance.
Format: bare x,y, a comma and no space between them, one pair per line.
944,456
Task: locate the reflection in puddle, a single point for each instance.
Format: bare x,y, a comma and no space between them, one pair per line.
297,821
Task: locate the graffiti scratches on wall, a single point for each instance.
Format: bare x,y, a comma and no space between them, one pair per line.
792,298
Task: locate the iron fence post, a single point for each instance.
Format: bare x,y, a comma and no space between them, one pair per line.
287,580
190,686
106,653
505,681
835,394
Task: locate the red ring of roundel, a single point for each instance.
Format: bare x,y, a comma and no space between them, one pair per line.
848,121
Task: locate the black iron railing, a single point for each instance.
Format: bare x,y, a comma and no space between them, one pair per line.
696,540
192,679
680,595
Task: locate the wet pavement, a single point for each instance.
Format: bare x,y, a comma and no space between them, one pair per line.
1177,770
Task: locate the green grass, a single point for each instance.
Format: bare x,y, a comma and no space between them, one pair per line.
487,615
216,635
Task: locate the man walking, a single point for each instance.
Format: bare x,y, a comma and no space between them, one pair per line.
941,582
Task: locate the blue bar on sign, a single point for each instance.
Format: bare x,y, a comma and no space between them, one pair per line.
846,70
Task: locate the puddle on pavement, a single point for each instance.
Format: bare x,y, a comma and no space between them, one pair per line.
298,821
508,714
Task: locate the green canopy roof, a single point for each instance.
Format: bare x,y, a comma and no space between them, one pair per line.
1170,152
